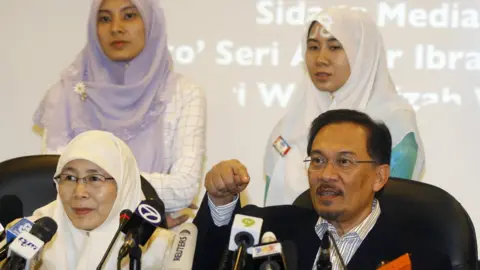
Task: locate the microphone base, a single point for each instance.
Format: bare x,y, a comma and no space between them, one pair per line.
135,254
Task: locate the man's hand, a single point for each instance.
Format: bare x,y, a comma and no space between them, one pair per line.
225,180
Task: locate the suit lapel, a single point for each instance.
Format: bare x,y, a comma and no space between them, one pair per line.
307,241
297,225
381,244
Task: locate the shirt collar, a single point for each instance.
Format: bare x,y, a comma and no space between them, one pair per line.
361,230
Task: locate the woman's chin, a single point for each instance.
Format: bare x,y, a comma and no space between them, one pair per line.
325,87
85,222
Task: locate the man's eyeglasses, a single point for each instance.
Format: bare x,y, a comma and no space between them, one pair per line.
318,163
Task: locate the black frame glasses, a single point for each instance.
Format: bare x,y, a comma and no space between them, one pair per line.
340,162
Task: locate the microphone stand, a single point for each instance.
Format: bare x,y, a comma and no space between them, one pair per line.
100,265
328,238
239,262
342,262
4,252
132,248
323,261
135,254
7,264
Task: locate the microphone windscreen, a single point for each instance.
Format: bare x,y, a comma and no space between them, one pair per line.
149,215
268,237
325,243
125,216
44,228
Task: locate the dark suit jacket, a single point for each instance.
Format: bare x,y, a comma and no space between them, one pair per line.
385,242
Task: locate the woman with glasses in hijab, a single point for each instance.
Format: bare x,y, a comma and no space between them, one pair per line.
122,82
347,69
96,178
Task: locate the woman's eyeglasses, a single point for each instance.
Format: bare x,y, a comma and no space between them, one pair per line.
94,180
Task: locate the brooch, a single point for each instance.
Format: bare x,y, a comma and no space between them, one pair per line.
80,89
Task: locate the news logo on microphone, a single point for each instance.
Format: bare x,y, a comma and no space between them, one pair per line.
183,248
148,216
26,245
149,213
183,237
24,225
266,250
247,228
24,242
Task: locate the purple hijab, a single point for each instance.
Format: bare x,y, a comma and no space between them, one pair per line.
126,100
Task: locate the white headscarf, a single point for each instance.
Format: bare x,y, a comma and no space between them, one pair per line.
369,89
72,248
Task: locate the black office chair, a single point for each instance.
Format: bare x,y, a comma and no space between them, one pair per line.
430,214
30,178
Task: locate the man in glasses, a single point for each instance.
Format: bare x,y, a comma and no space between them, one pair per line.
348,163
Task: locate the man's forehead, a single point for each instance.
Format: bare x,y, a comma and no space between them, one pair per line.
341,137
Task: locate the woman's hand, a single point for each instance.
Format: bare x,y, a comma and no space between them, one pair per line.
174,222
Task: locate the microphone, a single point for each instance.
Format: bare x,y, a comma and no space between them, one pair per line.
329,238
273,255
149,215
323,262
124,218
268,237
342,262
244,235
24,250
184,244
244,228
11,208
23,225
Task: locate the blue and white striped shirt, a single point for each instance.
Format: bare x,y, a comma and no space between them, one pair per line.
349,242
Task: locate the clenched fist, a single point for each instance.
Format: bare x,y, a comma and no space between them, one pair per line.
225,180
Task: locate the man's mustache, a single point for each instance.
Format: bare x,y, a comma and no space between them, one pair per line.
325,188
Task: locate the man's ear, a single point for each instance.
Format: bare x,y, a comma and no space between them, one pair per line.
381,177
